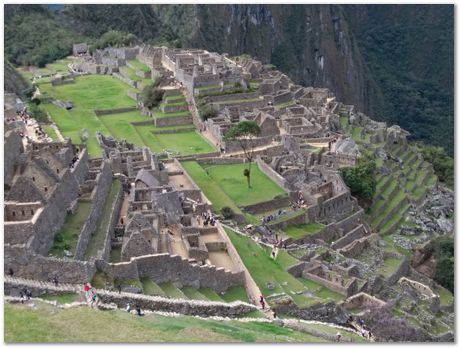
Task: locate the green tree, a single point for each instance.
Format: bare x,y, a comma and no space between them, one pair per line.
245,132
152,95
361,178
207,111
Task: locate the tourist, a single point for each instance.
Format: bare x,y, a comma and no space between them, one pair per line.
128,308
339,336
55,281
10,272
119,288
93,299
139,312
262,302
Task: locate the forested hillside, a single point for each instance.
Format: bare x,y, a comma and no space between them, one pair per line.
393,62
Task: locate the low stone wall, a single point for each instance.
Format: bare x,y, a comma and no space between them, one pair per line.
126,80
221,160
98,198
296,219
234,145
231,97
351,236
164,268
272,174
197,156
166,108
186,307
172,121
103,112
275,203
133,94
29,265
174,131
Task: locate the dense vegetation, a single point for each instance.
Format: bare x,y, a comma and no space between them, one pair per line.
409,53
361,178
442,163
444,254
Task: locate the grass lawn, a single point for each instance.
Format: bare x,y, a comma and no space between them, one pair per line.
131,74
357,133
210,294
230,178
264,269
50,324
185,143
445,296
51,132
67,237
170,290
62,298
209,187
98,237
86,94
119,125
298,231
115,254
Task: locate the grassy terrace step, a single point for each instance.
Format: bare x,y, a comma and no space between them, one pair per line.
298,231
151,288
382,183
394,221
389,206
173,98
210,294
193,293
236,293
357,133
98,237
170,290
391,187
131,74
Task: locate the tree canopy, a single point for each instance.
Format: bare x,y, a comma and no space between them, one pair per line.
361,178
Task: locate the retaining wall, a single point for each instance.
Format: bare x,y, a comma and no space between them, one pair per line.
103,112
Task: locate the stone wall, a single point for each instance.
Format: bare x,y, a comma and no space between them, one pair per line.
354,234
167,108
231,97
126,80
12,149
104,253
275,203
296,219
114,111
172,121
221,160
26,264
164,268
234,145
98,199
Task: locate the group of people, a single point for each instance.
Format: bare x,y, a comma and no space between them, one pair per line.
266,219
208,219
90,295
25,293
364,329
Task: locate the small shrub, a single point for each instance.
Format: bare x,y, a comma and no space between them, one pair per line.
227,213
58,238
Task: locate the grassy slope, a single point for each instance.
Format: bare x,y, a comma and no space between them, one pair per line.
298,231
49,324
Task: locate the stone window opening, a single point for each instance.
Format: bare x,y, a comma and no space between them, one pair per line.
31,211
14,214
23,212
46,189
33,178
57,170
